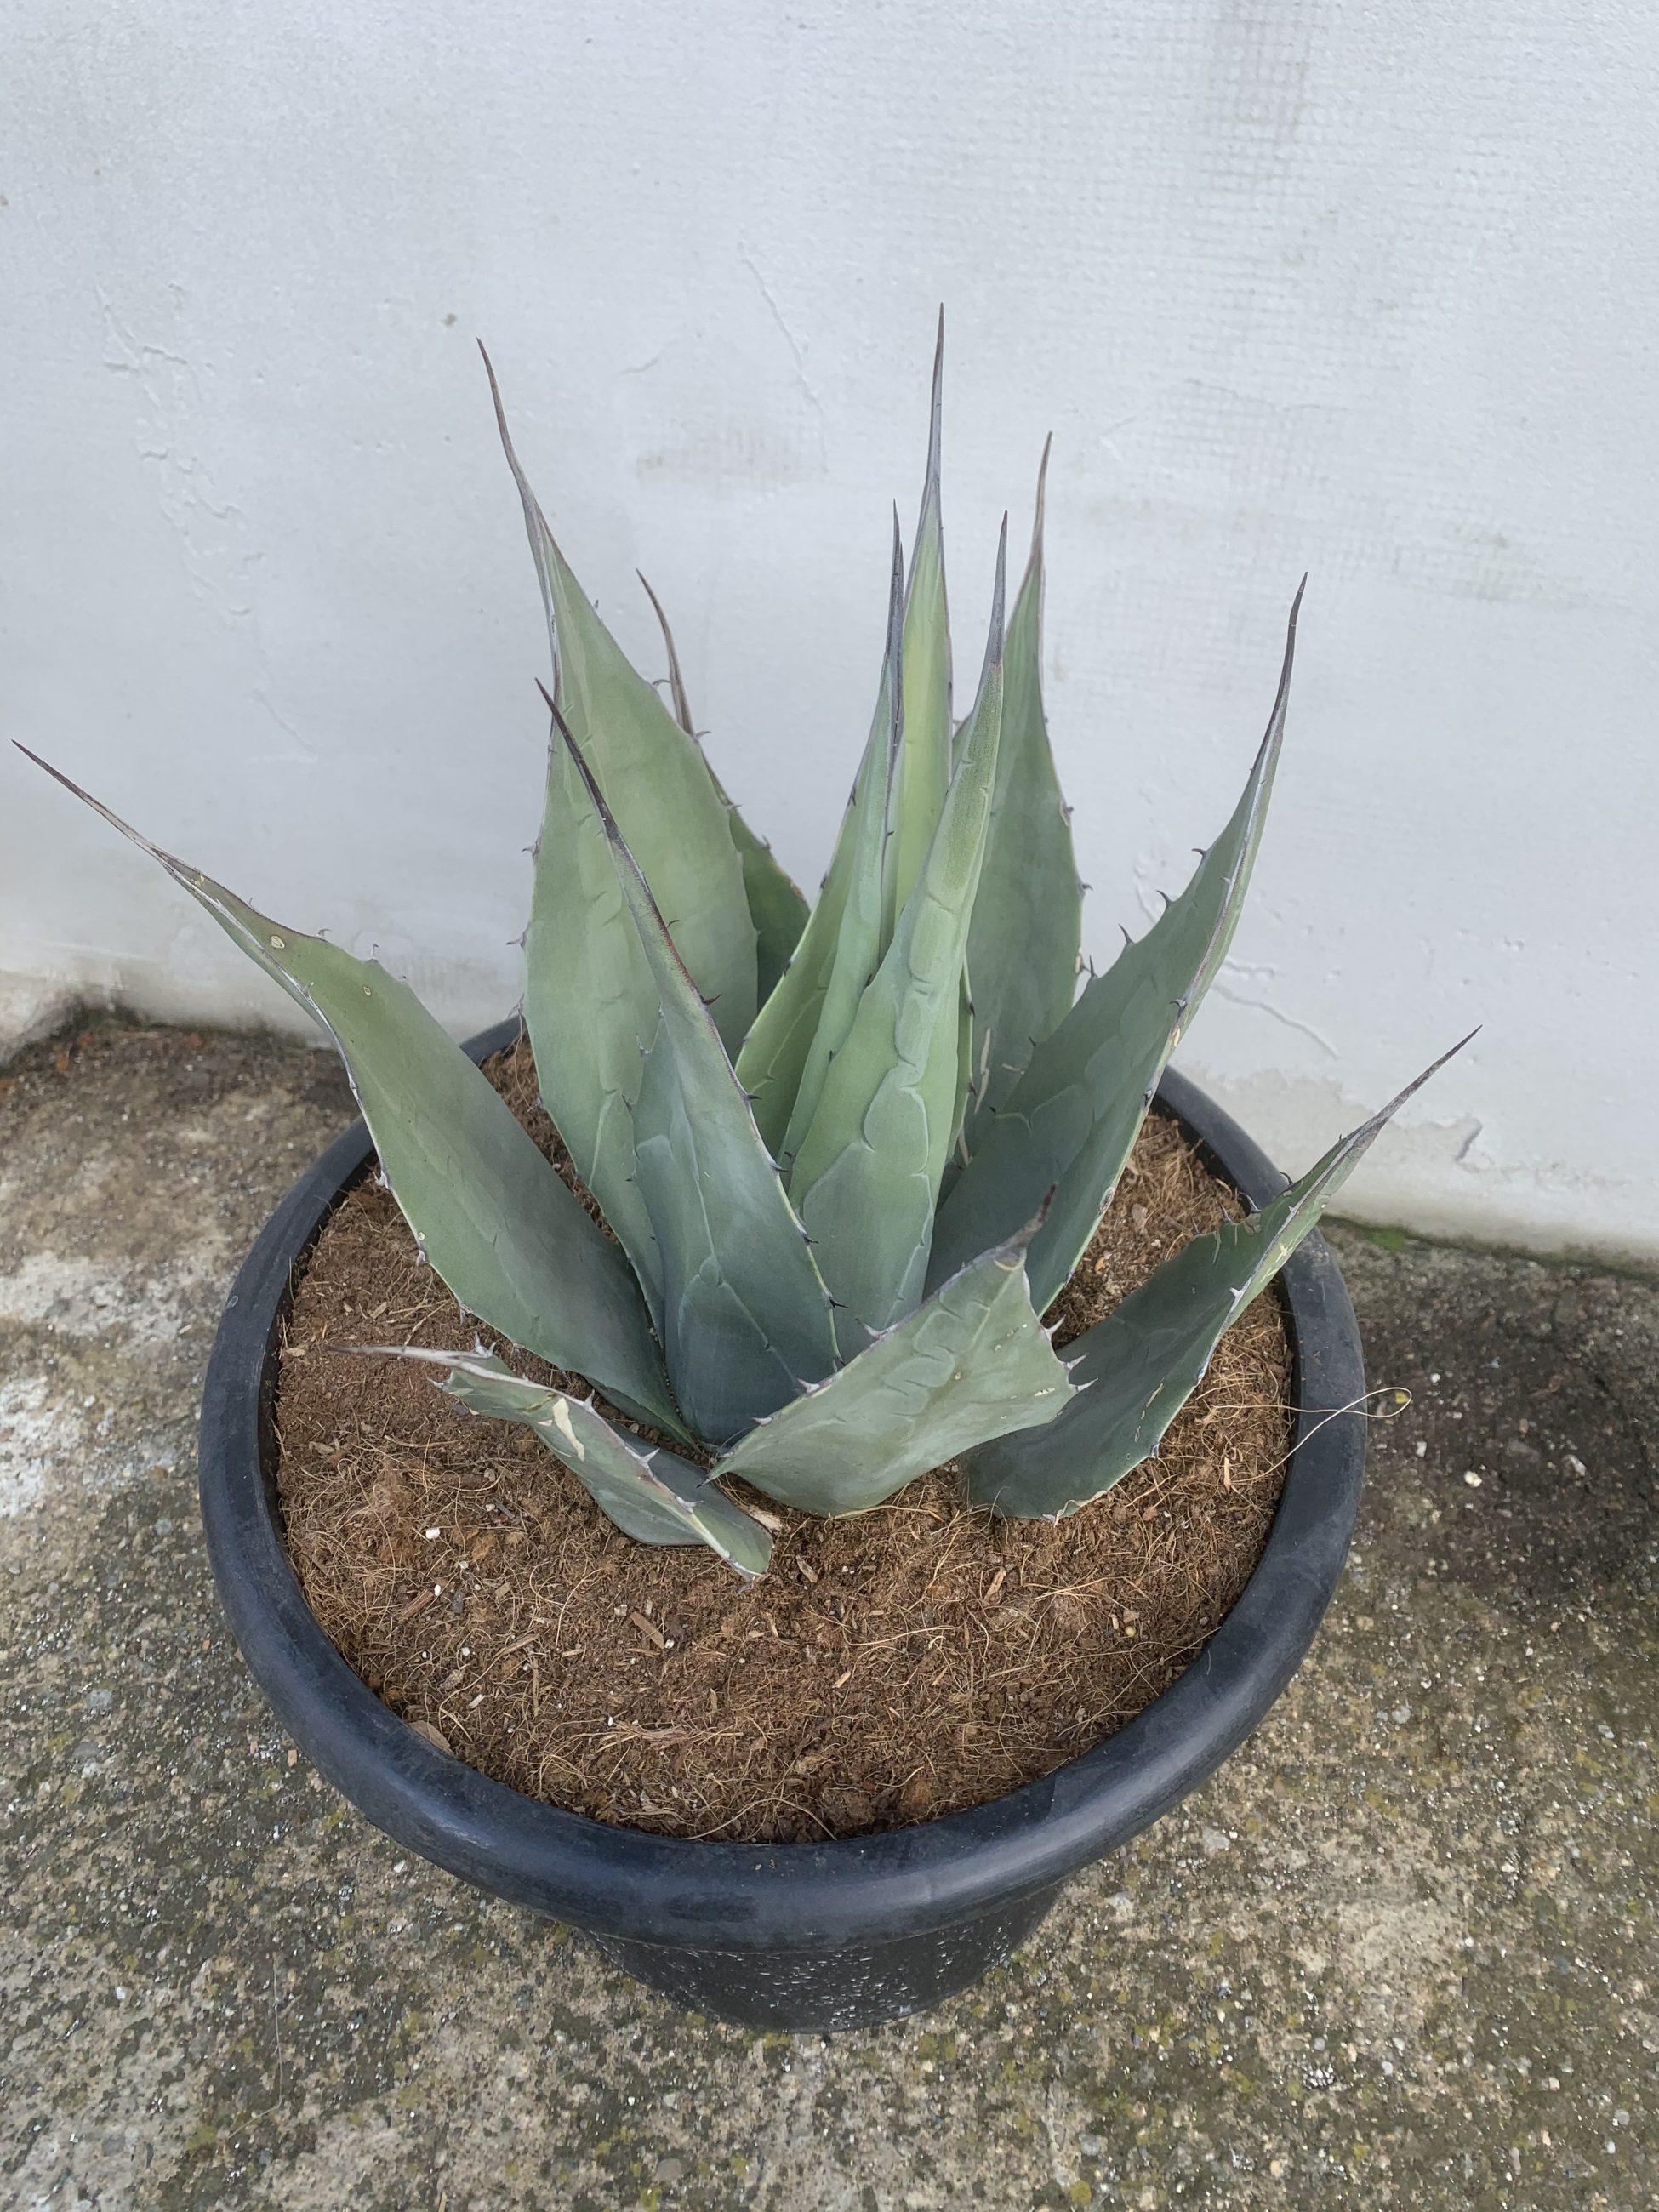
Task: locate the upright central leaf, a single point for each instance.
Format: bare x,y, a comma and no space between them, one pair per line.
772,1062
745,1319
860,941
922,775
908,785
774,1054
659,788
1028,916
867,1174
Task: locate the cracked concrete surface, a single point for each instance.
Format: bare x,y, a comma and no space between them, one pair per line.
1401,1951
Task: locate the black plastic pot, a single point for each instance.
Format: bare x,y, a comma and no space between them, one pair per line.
798,1936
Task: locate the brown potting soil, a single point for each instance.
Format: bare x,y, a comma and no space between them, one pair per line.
905,1662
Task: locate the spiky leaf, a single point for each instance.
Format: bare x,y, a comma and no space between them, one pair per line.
654,778
1136,1370
777,906
746,1318
505,1233
973,1362
859,941
774,1054
922,774
1028,916
652,1494
773,1057
590,1007
964,1074
1069,1121
867,1174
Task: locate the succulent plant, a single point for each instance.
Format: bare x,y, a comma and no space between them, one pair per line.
847,1155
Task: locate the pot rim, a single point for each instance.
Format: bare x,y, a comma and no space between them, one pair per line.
749,1896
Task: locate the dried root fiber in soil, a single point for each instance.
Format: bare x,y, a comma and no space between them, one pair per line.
909,1662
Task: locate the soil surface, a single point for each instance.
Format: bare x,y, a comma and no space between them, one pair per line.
893,1666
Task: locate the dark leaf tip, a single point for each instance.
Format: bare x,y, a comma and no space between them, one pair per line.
1041,506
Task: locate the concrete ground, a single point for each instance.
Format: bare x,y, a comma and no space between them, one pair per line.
1401,1951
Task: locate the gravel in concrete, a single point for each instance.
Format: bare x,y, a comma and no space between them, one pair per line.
1401,1951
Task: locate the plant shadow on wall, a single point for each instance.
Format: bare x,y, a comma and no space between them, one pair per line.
843,1158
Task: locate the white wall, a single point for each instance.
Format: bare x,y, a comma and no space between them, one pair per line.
1296,283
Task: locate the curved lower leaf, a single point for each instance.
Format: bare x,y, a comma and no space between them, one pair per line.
652,1495
654,778
867,1174
973,1362
746,1318
505,1234
1069,1121
1028,915
1136,1370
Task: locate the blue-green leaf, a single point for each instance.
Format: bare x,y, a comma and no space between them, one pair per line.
505,1233
867,1174
773,1057
1136,1370
652,1494
775,904
655,781
590,1007
859,942
1028,915
1069,1121
746,1318
774,1054
922,774
973,1362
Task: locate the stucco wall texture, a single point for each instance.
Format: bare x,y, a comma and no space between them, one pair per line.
1295,285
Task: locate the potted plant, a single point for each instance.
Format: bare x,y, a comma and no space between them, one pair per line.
813,1179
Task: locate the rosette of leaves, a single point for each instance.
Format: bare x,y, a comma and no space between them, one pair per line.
845,1153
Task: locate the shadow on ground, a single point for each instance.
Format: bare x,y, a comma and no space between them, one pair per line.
1401,1951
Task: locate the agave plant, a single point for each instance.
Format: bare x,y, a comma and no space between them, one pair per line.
845,1155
